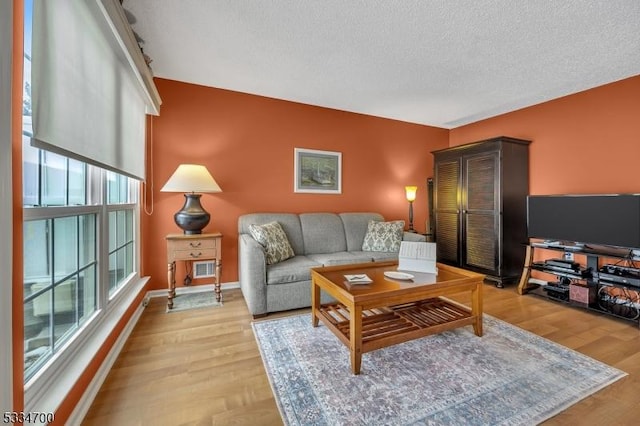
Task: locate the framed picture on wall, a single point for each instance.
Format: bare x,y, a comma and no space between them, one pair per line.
317,171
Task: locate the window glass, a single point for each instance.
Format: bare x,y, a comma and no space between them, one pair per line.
117,188
36,339
87,240
121,223
77,182
65,246
30,173
37,249
87,288
129,225
60,292
88,293
54,179
129,256
121,248
113,231
65,309
50,179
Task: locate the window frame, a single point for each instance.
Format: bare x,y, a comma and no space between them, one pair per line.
110,208
49,385
51,214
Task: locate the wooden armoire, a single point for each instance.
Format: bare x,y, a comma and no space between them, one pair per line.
480,201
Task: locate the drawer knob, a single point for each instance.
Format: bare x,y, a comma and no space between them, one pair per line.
195,254
196,244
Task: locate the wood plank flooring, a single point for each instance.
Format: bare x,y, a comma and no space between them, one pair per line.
203,367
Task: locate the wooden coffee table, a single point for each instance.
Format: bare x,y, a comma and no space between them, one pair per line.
386,312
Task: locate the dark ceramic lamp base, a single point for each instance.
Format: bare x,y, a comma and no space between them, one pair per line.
192,218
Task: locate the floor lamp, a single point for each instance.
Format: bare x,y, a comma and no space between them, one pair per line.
411,197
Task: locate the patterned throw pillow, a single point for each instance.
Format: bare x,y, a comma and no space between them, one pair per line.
272,237
383,236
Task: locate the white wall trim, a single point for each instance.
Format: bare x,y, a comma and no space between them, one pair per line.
6,207
194,289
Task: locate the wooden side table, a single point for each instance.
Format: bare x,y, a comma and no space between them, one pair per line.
190,248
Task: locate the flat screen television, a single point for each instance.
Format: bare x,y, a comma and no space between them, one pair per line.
611,220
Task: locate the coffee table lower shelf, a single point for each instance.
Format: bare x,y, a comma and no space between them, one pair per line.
386,326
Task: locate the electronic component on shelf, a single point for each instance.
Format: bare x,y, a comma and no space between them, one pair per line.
617,274
562,263
557,290
557,287
620,302
556,245
621,270
613,289
562,269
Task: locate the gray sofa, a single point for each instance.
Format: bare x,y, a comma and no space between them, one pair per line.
317,239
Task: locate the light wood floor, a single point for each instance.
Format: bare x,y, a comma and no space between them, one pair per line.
203,367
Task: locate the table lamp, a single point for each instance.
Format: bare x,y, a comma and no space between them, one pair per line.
411,197
192,179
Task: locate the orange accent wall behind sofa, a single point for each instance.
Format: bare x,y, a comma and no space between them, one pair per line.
585,143
247,142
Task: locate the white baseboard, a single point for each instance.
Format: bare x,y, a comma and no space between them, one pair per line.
193,289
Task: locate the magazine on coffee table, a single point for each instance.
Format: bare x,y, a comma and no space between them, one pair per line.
358,279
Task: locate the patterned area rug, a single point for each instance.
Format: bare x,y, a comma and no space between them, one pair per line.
507,377
194,300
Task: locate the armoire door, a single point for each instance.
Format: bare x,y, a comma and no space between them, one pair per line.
481,212
447,212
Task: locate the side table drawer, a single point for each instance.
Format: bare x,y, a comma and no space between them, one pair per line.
193,254
193,244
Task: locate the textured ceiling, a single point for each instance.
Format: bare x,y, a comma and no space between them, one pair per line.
443,63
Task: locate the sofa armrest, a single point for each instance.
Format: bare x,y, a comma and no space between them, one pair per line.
252,274
413,236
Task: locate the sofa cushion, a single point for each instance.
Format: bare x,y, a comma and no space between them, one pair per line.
272,237
383,256
322,233
290,223
297,268
383,236
341,258
355,227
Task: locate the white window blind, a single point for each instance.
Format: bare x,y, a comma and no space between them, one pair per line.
88,97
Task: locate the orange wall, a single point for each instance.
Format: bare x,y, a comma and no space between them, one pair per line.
584,143
247,143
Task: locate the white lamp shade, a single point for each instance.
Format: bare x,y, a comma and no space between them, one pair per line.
191,178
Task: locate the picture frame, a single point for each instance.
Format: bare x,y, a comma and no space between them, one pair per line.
318,172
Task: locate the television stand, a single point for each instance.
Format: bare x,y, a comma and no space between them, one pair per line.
594,285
